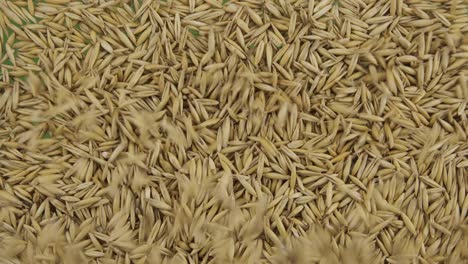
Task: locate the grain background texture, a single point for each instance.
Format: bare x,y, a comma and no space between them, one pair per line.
225,131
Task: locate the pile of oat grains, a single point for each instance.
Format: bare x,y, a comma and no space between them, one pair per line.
224,131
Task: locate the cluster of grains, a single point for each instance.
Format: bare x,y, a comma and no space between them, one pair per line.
224,131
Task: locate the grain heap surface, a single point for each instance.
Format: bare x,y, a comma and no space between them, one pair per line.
209,131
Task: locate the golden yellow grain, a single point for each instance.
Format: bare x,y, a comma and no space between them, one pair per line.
237,131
